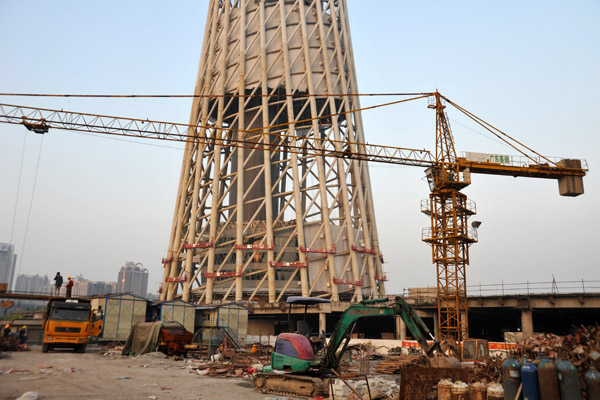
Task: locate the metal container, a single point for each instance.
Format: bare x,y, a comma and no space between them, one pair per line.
511,372
568,381
529,376
592,384
548,380
477,391
460,391
445,389
495,392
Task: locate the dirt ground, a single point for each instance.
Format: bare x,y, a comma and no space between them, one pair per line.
63,374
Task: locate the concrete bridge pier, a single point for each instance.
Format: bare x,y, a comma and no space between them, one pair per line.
527,322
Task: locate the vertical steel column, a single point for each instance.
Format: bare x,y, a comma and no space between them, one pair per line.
239,201
218,134
294,157
320,163
363,185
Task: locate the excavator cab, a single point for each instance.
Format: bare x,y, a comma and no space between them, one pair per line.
302,327
474,350
295,351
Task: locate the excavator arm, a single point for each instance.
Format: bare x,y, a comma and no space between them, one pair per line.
375,308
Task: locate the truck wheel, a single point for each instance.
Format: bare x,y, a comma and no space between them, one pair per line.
45,347
82,348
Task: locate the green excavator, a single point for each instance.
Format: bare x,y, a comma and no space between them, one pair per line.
304,372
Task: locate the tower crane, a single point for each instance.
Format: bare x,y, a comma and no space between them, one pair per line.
447,174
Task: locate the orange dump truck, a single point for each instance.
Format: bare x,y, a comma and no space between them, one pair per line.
69,323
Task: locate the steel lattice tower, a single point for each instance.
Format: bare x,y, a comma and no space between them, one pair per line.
254,224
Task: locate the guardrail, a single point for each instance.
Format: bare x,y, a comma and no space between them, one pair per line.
508,289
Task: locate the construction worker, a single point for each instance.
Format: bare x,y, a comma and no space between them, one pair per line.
69,287
58,281
23,334
6,330
253,350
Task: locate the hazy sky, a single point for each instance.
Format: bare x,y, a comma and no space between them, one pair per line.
529,68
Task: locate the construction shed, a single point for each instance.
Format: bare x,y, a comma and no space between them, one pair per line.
178,311
121,311
233,317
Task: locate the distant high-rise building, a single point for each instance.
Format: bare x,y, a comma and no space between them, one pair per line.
31,283
8,260
94,288
133,278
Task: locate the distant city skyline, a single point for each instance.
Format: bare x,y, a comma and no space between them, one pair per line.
8,261
82,286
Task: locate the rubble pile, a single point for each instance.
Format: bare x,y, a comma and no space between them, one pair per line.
394,364
582,348
489,370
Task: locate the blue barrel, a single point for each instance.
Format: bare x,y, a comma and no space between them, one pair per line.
529,376
511,372
592,384
568,381
548,380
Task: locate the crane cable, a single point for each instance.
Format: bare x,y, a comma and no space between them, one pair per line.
37,168
282,95
12,229
492,129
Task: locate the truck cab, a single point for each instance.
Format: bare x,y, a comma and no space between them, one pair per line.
67,323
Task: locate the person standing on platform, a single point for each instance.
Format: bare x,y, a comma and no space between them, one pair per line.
58,281
69,287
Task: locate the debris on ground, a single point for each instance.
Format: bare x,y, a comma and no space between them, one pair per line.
29,396
377,388
12,343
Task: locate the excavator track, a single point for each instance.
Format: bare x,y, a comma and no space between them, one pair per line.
289,385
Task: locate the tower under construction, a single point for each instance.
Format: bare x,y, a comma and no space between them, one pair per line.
252,223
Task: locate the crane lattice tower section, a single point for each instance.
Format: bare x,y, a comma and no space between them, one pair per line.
252,224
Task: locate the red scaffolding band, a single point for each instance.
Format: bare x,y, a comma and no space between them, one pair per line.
363,250
175,279
253,247
382,278
333,250
348,282
295,264
222,274
202,245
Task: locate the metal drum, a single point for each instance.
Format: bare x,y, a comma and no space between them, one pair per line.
548,380
511,371
495,392
568,381
478,391
460,391
445,389
529,376
592,384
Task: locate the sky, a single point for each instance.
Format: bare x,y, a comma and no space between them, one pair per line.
85,204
